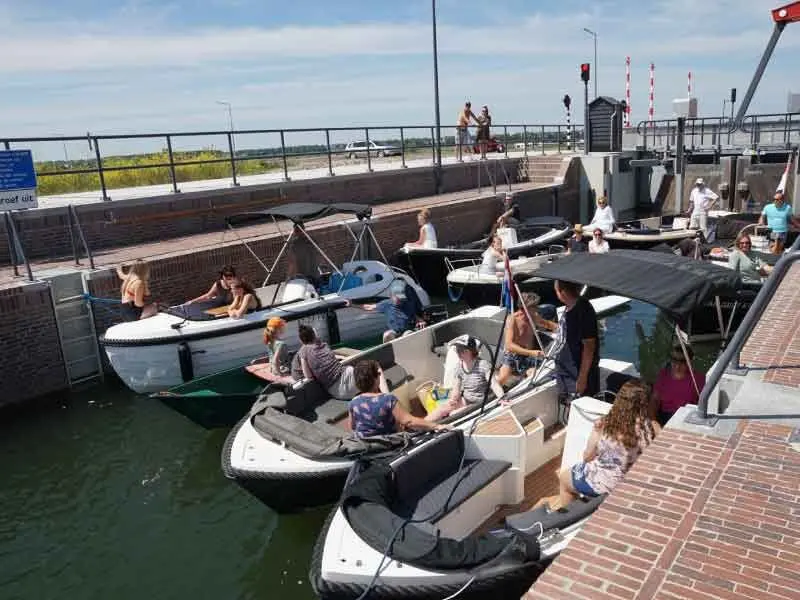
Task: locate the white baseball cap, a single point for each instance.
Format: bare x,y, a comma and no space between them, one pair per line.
699,181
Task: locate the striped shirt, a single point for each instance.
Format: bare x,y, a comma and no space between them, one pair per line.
473,382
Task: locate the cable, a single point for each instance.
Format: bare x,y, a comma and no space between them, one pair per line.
461,590
411,520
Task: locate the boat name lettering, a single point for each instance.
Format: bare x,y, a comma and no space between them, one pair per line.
754,171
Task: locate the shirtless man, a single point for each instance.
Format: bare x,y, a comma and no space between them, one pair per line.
462,129
520,356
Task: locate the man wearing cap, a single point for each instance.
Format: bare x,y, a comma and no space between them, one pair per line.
778,215
700,200
403,310
576,242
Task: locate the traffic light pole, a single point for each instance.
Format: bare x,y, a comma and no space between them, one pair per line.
586,117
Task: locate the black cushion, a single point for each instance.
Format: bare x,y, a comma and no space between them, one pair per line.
331,411
443,498
305,398
395,376
429,465
531,521
615,381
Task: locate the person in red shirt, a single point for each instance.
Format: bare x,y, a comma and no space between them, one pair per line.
677,385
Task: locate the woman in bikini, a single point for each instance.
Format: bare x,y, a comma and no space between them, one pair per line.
220,292
135,287
244,299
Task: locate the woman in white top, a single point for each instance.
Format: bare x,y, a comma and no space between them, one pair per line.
492,256
427,234
603,216
598,245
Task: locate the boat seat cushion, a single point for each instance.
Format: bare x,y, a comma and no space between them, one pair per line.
396,376
332,411
442,499
530,522
305,397
423,468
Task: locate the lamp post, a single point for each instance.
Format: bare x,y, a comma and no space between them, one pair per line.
438,140
230,125
594,35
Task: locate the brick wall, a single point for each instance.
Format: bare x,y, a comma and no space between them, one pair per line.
30,352
45,232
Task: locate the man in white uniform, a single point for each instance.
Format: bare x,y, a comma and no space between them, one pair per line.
700,200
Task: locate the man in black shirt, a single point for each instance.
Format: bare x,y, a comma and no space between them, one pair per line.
576,242
577,351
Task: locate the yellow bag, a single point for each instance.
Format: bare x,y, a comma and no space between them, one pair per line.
431,395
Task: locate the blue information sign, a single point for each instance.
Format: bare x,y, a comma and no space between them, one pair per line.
17,180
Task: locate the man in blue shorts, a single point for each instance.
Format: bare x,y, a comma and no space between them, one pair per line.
403,310
778,216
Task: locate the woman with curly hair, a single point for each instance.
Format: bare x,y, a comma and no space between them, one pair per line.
615,443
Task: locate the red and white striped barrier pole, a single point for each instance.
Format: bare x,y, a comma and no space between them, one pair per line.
689,87
627,91
650,110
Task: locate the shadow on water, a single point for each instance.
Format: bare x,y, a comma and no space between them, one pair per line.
112,495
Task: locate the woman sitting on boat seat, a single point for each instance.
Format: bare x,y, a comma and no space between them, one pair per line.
374,411
598,245
427,233
603,216
315,360
677,385
473,377
135,287
747,262
245,299
616,441
493,257
277,366
220,292
521,354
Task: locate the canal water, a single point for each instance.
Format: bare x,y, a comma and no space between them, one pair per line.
111,495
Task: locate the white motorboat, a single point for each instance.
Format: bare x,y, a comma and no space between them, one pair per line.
180,344
294,450
643,234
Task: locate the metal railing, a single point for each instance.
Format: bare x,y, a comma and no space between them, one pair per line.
778,130
732,353
239,155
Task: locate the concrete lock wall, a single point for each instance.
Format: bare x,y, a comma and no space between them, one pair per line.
45,232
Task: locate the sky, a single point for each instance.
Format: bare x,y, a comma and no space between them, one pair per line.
115,67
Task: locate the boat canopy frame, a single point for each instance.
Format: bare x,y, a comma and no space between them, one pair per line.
299,213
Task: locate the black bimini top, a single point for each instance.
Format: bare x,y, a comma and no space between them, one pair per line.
675,284
300,212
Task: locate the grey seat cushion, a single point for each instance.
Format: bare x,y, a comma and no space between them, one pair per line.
396,376
442,499
333,410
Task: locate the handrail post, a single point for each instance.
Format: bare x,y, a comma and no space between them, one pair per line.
175,189
12,251
232,155
7,145
369,151
19,250
505,139
72,236
402,149
525,141
433,146
328,146
283,157
101,175
83,237
542,140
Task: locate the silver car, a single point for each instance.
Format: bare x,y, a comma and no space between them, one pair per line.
359,149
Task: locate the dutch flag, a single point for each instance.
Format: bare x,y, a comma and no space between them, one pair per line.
507,290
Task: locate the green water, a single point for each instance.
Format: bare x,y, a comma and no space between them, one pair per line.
113,496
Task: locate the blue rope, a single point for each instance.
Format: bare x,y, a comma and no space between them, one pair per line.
453,297
91,298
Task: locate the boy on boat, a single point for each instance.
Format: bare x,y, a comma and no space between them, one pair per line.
521,349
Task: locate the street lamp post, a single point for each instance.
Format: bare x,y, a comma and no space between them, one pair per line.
438,140
230,113
596,70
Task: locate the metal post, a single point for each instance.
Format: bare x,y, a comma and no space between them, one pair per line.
283,157
369,151
99,159
328,146
438,140
762,65
7,145
72,236
77,223
586,117
433,147
558,136
679,165
18,245
172,165
505,139
232,154
542,140
402,149
525,141
12,252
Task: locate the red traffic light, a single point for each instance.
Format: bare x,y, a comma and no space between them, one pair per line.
585,72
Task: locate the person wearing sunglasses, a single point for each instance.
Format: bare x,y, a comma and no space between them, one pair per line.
677,384
603,218
598,244
745,261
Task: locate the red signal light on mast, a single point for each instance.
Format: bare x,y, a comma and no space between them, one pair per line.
585,72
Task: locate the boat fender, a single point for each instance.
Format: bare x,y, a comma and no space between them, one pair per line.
185,361
454,296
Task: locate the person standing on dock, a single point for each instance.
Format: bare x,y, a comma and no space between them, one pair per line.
778,215
462,130
484,125
701,199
